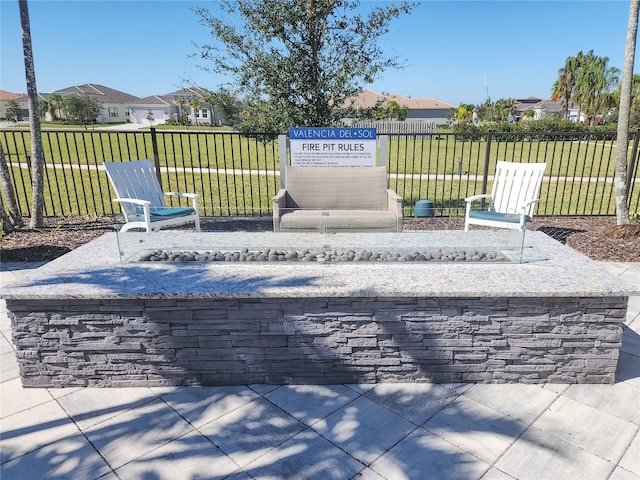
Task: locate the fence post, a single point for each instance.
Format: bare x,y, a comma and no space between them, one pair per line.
383,156
156,154
282,154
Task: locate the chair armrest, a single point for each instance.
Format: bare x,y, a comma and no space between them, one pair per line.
524,207
394,202
474,198
136,201
193,196
182,194
146,209
529,203
280,200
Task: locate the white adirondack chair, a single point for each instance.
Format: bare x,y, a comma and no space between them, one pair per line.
516,190
141,198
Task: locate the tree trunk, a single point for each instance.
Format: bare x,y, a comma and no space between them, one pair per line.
621,173
13,219
37,153
7,226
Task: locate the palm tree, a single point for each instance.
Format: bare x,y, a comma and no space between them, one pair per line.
582,88
180,101
621,175
402,113
194,103
56,106
394,109
37,152
594,82
635,88
563,87
602,79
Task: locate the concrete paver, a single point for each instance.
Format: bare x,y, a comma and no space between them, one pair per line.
311,403
522,402
183,458
476,428
630,460
415,403
203,405
538,455
135,433
306,455
364,429
424,455
603,435
247,433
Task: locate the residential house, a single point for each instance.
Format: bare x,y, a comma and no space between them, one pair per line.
419,109
544,109
4,98
23,103
114,102
157,109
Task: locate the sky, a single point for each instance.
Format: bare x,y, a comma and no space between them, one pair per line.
452,50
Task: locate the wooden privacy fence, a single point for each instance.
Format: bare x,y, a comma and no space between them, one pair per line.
409,127
238,175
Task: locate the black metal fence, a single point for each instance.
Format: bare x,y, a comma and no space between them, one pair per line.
238,175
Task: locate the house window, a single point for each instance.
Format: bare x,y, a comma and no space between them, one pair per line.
205,113
113,112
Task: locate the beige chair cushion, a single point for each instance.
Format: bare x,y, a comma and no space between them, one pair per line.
335,188
339,220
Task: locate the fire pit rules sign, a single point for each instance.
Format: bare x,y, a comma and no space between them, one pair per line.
332,147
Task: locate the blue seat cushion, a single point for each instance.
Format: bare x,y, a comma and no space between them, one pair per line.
173,212
497,216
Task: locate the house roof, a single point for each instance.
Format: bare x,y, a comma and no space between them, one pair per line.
102,93
545,105
4,95
193,91
371,99
23,98
170,98
154,100
528,100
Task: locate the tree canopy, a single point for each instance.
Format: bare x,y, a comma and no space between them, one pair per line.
13,111
589,81
82,109
295,61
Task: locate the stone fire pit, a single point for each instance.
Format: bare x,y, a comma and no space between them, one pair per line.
89,319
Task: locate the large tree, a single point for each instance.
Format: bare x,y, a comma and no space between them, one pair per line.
295,61
8,202
563,87
594,83
37,152
56,106
504,107
82,109
13,111
621,173
226,104
195,104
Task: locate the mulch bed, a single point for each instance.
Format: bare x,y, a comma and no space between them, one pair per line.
596,237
